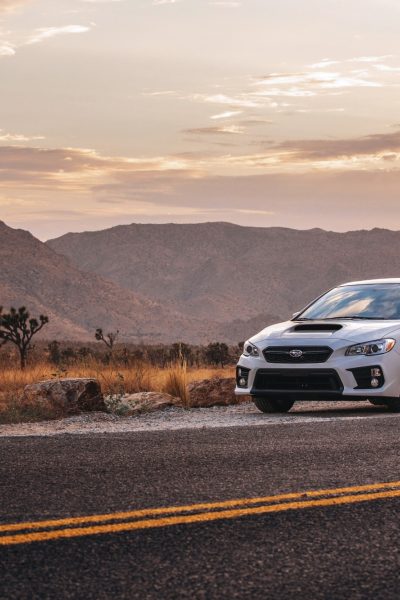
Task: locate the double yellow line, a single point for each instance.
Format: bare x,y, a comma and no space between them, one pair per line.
149,518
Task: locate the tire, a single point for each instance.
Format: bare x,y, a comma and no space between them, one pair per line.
393,405
269,405
377,402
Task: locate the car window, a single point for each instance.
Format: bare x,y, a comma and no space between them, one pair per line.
351,301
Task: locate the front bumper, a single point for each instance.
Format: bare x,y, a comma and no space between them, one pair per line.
336,379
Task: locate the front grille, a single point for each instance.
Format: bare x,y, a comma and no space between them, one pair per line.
309,354
299,380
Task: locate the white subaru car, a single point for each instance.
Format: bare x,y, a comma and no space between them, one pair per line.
345,345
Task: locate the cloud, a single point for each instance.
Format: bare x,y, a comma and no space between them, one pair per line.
252,211
283,78
240,101
316,199
227,3
315,80
309,83
324,63
79,171
292,92
49,32
377,145
29,161
18,137
289,183
6,49
161,2
226,115
386,68
369,59
77,168
327,62
10,5
222,3
161,93
254,122
40,35
226,129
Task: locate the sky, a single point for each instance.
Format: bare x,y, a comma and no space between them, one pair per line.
255,112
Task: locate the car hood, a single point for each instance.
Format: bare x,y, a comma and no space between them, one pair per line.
351,331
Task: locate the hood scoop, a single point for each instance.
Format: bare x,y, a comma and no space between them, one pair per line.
317,327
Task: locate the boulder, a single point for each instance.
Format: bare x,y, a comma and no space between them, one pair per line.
66,396
217,391
133,404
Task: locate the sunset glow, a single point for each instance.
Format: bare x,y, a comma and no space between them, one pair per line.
254,112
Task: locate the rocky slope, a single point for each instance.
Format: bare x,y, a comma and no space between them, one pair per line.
194,283
34,275
243,277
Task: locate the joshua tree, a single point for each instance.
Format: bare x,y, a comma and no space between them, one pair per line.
18,328
109,338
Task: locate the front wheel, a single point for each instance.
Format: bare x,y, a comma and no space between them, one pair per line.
377,402
393,404
268,405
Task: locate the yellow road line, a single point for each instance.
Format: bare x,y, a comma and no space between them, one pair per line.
42,536
150,512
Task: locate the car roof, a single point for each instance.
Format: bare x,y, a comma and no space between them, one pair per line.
393,280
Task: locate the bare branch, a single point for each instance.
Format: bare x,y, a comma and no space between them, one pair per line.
109,339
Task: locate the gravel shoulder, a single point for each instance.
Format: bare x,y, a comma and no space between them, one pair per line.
172,419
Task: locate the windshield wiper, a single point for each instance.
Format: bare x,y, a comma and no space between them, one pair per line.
355,317
303,319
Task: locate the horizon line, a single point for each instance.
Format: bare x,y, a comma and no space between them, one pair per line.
201,223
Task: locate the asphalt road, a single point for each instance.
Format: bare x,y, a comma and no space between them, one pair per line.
303,547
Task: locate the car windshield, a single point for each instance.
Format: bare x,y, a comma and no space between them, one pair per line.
367,301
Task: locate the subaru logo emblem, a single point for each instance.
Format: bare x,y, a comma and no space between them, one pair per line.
296,353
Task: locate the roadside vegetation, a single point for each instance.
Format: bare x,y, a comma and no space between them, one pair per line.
120,368
17,327
128,369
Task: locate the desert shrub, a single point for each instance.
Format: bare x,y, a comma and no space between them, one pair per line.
217,353
54,352
180,352
176,382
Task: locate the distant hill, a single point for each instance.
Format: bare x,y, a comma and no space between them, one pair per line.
242,277
194,283
34,275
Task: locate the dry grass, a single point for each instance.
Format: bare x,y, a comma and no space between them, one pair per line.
176,383
114,380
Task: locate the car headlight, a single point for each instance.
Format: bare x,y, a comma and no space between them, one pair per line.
371,348
250,349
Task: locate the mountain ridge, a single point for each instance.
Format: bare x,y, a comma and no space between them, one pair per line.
232,272
193,283
76,303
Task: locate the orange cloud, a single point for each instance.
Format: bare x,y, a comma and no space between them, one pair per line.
9,5
223,129
374,144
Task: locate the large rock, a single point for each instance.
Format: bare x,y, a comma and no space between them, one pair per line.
217,391
67,396
133,404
